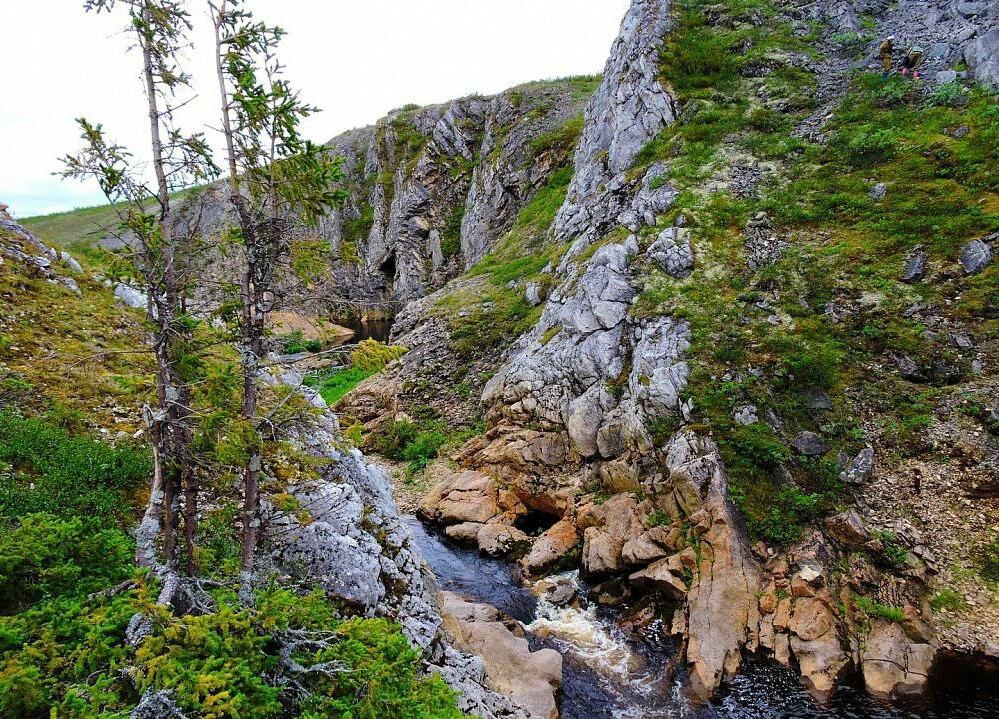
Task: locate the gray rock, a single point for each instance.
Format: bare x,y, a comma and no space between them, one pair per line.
157,705
878,192
746,414
629,108
961,131
814,398
945,76
672,252
860,468
982,56
915,267
71,261
961,340
975,257
131,296
532,293
763,245
810,444
909,369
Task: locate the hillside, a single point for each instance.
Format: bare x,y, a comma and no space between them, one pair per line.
692,382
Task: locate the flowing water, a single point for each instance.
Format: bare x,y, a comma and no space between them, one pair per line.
611,672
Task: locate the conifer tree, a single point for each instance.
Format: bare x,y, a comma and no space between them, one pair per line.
278,183
145,211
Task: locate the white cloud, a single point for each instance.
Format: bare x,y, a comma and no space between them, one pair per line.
356,60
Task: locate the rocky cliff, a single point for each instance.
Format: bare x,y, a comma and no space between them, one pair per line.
712,362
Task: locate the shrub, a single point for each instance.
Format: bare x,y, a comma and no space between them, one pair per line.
873,609
42,555
451,234
371,355
293,343
71,474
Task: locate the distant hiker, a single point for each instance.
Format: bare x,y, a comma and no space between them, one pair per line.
912,60
884,54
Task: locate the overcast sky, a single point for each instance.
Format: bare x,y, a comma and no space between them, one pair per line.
356,59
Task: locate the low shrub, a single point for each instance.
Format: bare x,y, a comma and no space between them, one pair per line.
44,556
54,471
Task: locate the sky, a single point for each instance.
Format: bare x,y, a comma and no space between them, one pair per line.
355,59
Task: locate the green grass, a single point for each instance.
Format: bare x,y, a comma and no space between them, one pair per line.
334,385
81,228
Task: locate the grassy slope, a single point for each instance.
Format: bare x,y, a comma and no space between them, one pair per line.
844,247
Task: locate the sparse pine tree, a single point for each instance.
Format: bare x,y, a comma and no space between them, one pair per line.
145,211
278,182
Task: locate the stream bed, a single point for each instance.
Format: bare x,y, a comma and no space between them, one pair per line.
609,673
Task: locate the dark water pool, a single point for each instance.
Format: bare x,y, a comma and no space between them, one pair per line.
609,674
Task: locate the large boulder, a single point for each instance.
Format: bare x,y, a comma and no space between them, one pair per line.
894,665
552,548
531,679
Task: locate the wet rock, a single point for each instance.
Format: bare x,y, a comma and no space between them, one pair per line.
810,444
975,257
551,549
610,593
531,679
465,532
658,577
915,267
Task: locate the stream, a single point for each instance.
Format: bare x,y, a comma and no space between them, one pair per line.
609,673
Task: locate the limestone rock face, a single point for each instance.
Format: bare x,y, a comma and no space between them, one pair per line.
348,538
531,679
630,108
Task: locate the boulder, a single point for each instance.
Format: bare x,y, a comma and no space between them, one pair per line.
531,679
611,525
860,468
468,496
915,267
982,56
550,549
499,540
465,532
975,257
892,664
810,444
672,252
847,529
642,550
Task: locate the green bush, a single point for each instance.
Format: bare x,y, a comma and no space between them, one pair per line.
371,355
293,343
72,475
42,556
882,611
63,658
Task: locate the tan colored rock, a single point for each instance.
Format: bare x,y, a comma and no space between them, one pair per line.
466,532
783,616
893,665
611,525
499,540
468,496
658,577
801,588
782,649
552,547
722,610
641,550
768,603
531,679
816,645
666,537
688,557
